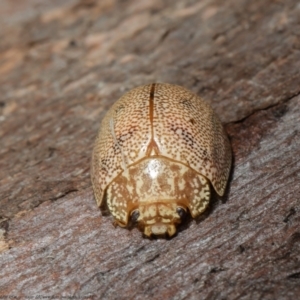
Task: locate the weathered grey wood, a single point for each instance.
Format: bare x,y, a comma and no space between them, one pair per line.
63,63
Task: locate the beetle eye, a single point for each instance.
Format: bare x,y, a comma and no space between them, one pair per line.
182,212
135,215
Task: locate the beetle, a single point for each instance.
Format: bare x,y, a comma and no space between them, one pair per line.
158,150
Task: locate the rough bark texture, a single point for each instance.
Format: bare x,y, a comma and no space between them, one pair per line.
62,65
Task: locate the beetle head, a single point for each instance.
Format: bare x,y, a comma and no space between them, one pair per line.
159,218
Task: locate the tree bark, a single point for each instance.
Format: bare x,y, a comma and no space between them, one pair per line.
64,63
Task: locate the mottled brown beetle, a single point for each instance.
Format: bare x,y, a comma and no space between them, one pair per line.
158,149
